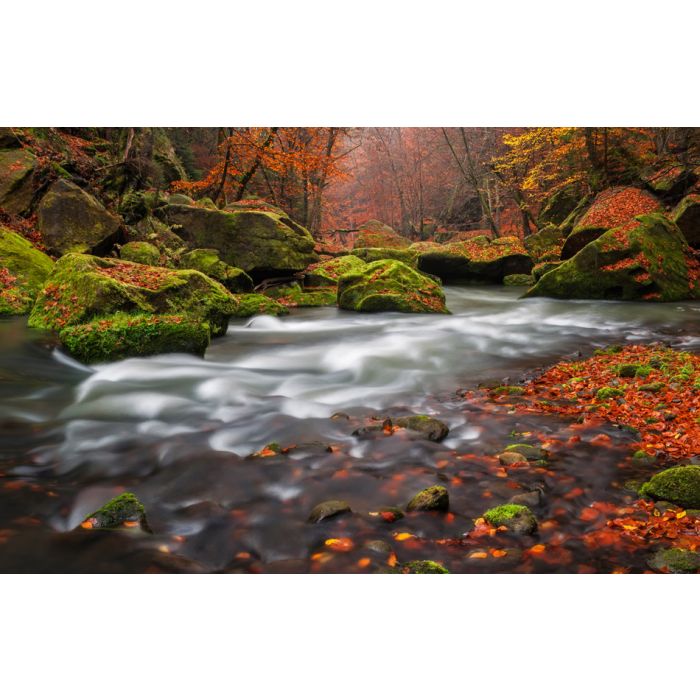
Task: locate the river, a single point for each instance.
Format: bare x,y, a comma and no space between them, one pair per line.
178,431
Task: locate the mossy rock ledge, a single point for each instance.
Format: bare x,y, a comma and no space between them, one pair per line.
23,271
263,244
207,260
687,217
326,274
140,252
390,285
645,259
83,287
73,221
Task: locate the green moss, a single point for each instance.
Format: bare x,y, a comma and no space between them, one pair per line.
515,517
140,252
609,350
687,217
646,259
430,428
545,245
530,452
608,392
676,561
375,234
423,566
326,274
518,280
432,498
207,260
652,387
124,335
679,485
82,288
543,267
390,285
328,509
294,296
559,206
254,304
507,389
113,514
23,270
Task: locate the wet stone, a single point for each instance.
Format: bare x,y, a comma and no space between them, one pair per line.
427,427
328,509
123,510
432,498
508,458
530,452
517,518
675,561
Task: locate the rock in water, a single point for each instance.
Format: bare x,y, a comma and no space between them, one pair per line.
679,485
432,498
390,285
124,510
422,566
529,452
517,518
83,287
328,509
73,221
426,426
326,274
263,244
16,189
646,259
23,270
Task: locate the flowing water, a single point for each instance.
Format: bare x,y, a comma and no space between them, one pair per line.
179,430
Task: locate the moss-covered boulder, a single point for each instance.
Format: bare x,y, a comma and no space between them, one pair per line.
263,244
255,204
327,273
687,217
123,511
293,295
679,485
477,260
670,181
207,260
134,335
611,208
257,304
152,230
390,285
545,245
518,280
375,234
405,255
83,287
427,427
140,252
8,138
433,498
567,226
675,560
181,199
16,189
646,259
543,267
328,509
23,270
73,221
517,518
136,205
559,206
529,452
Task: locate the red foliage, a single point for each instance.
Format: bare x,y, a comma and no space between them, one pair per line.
617,206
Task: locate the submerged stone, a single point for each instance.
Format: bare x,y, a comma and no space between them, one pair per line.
328,509
675,561
433,498
529,452
422,566
428,427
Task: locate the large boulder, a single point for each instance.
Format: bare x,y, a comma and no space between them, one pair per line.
73,221
326,274
687,218
545,245
670,181
207,260
558,206
679,485
375,234
405,255
476,260
23,270
263,244
140,252
82,288
612,207
647,258
16,189
390,285
8,138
